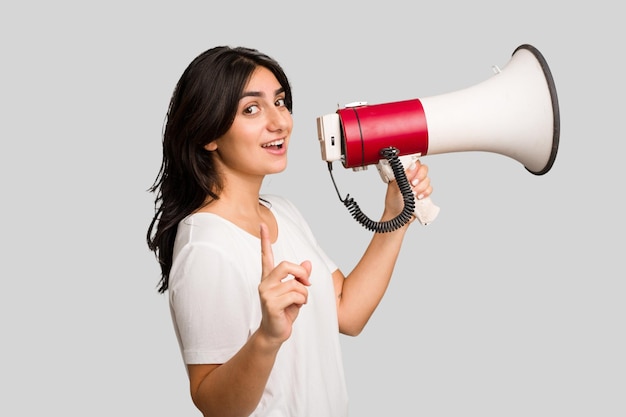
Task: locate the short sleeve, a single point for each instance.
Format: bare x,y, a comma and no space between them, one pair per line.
211,303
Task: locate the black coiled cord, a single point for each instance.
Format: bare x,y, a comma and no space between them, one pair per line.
391,154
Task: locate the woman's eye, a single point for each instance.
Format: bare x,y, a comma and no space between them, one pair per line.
280,102
251,109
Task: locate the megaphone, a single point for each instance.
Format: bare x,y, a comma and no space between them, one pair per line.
514,113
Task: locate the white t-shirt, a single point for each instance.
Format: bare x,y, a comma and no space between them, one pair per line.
214,301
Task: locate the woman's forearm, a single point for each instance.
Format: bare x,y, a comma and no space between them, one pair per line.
235,387
365,286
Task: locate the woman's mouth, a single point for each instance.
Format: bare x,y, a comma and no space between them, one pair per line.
278,144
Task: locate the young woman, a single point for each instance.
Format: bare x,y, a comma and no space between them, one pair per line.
256,304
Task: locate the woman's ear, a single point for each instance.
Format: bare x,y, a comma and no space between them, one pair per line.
211,146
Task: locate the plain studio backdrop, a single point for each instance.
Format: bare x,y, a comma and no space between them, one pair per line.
512,303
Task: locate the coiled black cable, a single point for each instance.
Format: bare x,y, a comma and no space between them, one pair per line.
391,154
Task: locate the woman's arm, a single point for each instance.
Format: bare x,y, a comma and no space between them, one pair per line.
360,292
235,387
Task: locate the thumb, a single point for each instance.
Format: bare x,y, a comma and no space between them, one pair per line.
305,279
267,255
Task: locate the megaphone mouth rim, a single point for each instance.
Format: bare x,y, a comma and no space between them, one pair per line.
556,118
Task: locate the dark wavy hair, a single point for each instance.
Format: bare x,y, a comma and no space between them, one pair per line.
202,109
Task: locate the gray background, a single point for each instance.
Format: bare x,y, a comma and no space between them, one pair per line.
510,304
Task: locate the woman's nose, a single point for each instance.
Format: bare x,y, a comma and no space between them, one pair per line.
279,119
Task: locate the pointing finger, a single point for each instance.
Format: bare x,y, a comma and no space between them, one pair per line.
267,256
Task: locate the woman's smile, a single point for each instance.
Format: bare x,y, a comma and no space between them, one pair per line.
275,147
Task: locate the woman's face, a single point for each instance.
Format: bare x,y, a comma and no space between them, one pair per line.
256,143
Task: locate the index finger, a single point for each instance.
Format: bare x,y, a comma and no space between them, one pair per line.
267,255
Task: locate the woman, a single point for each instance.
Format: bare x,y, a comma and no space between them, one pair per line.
257,306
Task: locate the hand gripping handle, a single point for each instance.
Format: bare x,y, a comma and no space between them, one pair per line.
425,210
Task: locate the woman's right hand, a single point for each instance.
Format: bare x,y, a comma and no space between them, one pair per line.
282,291
417,175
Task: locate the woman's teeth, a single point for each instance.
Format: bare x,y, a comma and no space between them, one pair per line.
277,143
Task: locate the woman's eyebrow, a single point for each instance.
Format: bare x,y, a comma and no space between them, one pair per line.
260,94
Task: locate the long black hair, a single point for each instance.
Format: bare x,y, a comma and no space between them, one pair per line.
202,109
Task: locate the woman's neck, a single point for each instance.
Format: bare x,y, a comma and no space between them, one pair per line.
243,208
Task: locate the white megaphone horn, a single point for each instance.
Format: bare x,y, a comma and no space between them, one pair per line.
514,113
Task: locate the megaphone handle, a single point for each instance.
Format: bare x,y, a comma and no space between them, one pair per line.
425,210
